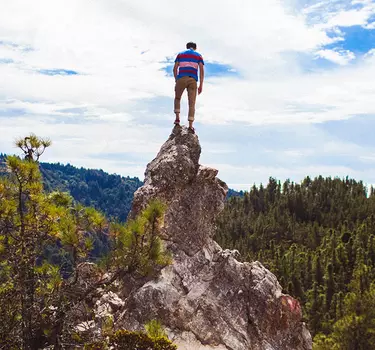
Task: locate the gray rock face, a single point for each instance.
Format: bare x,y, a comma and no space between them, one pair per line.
206,298
193,193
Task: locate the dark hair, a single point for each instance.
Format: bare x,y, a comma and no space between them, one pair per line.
191,45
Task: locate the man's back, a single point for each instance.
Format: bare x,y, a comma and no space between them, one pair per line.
188,63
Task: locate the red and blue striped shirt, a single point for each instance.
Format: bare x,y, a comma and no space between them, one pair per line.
188,63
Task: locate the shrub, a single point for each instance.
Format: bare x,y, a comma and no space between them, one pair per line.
126,340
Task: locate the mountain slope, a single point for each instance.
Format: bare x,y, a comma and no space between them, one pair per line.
318,237
111,194
206,298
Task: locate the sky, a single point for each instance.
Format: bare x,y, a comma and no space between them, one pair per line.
289,88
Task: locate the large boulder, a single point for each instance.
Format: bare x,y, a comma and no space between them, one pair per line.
206,298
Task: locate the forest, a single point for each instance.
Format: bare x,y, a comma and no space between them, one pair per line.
46,301
317,237
111,194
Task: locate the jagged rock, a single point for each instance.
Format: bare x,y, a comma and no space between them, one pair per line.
87,273
108,304
193,193
206,298
86,327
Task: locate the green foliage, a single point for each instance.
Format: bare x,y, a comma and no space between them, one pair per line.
126,340
318,238
32,146
356,328
98,345
323,342
154,339
155,329
137,244
27,221
45,242
110,194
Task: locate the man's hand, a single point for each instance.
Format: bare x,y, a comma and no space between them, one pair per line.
200,89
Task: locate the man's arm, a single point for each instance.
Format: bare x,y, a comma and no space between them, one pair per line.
201,77
175,70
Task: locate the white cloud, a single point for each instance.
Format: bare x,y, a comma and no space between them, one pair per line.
90,114
368,158
341,57
249,175
331,14
352,17
370,53
105,43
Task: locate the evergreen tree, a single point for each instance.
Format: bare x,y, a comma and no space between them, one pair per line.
38,297
318,238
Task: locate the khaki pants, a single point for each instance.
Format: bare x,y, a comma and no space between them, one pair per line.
191,85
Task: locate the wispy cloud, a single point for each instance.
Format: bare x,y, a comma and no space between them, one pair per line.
94,76
341,57
6,60
57,72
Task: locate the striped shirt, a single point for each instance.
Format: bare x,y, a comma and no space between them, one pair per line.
188,63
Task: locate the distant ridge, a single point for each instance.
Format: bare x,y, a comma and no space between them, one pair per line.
111,194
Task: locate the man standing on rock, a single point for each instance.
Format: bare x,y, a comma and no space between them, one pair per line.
185,72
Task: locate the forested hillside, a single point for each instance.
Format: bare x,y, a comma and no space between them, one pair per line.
111,194
318,238
44,300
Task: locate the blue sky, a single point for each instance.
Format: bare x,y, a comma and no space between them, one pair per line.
289,88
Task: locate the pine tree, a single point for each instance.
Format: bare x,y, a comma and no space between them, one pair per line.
37,297
318,270
317,237
329,287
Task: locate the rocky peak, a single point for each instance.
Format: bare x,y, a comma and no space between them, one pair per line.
194,194
206,298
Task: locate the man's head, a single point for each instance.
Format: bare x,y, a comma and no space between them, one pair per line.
191,45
